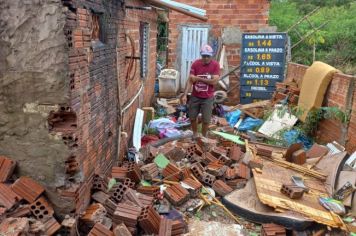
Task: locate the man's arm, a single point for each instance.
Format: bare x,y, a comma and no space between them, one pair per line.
213,81
188,86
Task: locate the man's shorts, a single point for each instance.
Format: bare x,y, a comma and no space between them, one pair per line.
201,105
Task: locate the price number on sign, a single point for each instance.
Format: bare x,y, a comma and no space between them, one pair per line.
264,56
258,82
264,43
262,70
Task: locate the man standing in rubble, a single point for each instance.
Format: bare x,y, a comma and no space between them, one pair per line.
204,75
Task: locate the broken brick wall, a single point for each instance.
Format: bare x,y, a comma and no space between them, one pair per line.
100,83
62,76
227,19
91,30
130,84
33,82
340,94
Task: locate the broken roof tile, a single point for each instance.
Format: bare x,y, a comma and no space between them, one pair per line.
7,167
27,188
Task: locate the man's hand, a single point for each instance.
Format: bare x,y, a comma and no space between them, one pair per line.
183,99
194,78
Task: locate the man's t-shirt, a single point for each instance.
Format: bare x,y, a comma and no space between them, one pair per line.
198,68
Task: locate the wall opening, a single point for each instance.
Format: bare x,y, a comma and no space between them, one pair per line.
98,32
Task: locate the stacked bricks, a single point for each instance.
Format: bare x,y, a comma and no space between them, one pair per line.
176,194
149,171
7,167
149,220
195,186
292,191
152,191
172,172
221,188
128,215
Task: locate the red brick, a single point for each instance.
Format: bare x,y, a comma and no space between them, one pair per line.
7,167
8,198
27,188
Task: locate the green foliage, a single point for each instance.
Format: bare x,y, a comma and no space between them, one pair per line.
335,42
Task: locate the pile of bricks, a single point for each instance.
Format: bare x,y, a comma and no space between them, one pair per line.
23,207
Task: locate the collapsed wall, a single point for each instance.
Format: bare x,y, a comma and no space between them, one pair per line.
58,89
33,82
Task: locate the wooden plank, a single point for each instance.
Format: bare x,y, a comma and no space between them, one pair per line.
268,185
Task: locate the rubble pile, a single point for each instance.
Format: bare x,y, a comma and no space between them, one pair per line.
161,188
24,210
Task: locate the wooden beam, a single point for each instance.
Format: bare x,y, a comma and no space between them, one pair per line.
178,9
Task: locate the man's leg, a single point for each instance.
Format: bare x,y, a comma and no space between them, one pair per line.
194,125
206,110
194,108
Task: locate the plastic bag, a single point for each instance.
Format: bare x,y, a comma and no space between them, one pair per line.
249,124
332,205
295,136
233,117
